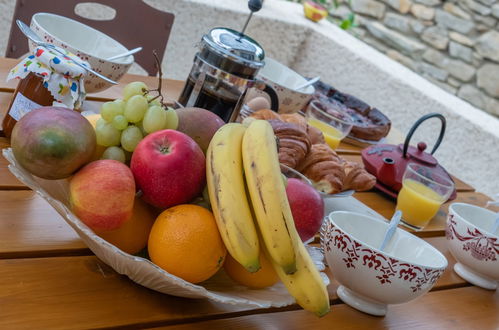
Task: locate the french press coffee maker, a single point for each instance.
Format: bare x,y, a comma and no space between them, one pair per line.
224,68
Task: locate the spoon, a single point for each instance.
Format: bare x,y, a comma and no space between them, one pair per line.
308,83
496,225
36,39
130,52
391,229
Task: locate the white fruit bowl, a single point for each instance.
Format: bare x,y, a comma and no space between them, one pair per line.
218,288
473,245
87,43
371,279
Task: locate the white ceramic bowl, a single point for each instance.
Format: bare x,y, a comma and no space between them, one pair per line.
472,244
284,81
370,279
87,43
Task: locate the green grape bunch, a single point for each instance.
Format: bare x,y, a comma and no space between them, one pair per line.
125,122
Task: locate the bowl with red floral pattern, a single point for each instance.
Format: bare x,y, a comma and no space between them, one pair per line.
372,279
85,42
472,243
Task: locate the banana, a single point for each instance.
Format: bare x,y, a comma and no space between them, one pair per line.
228,197
306,284
268,195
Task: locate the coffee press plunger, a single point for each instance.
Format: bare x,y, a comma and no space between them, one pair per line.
224,68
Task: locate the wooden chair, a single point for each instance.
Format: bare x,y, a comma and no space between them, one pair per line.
135,24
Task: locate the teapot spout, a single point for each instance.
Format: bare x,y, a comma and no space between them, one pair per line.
388,172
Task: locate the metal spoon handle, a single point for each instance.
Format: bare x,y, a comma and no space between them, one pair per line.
391,229
130,52
495,226
47,45
308,83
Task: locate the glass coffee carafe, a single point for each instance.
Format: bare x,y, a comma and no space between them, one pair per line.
223,70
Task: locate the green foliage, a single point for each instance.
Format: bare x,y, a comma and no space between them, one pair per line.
346,23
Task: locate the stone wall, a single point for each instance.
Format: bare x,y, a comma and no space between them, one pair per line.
452,43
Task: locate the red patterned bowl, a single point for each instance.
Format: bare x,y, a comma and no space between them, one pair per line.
372,279
87,43
473,245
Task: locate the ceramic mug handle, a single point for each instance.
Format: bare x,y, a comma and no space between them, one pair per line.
266,88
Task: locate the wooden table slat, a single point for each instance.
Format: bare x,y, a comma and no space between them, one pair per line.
463,308
30,227
461,186
172,87
96,296
386,207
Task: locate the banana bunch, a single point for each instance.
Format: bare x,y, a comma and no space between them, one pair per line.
249,201
227,191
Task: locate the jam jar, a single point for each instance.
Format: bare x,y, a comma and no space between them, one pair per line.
46,78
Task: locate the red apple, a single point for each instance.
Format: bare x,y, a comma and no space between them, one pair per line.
307,208
169,167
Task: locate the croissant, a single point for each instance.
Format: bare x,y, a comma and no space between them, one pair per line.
325,168
296,119
357,178
294,143
314,134
265,114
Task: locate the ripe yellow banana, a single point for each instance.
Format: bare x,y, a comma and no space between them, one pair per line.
306,284
268,195
229,201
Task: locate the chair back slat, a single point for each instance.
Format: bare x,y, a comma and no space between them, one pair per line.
135,24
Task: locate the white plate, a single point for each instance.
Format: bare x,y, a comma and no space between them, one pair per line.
142,271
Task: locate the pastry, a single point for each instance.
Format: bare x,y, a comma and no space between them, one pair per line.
357,178
369,123
293,142
266,114
314,134
325,168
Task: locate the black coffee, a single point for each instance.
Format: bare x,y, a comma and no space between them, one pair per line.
219,98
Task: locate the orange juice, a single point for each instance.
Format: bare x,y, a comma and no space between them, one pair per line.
418,203
332,135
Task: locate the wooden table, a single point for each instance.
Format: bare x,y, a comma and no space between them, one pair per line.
50,279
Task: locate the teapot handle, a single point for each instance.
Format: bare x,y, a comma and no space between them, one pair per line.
416,125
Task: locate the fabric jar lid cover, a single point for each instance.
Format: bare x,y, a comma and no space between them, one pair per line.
61,76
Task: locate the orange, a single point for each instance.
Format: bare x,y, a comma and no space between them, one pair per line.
264,277
132,236
185,242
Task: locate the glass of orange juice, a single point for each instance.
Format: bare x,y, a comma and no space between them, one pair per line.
333,125
421,196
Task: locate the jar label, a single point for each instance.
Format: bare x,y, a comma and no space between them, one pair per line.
21,106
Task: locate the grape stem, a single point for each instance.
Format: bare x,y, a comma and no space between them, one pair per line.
160,82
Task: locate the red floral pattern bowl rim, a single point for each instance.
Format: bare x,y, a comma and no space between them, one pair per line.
401,231
35,16
466,222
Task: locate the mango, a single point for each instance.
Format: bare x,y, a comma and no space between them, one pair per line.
52,142
200,124
102,194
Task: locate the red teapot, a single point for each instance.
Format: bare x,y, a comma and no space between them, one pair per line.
387,162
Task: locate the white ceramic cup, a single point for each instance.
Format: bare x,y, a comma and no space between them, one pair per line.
475,248
283,81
